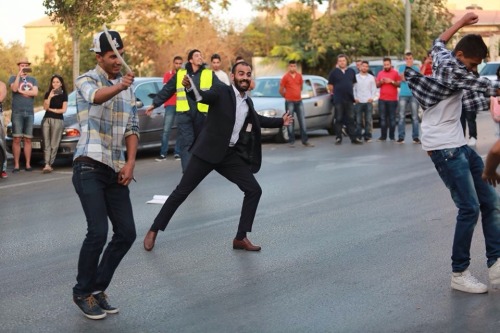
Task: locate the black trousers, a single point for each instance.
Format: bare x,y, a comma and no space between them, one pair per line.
234,169
469,118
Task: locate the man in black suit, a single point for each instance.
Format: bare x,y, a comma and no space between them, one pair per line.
229,143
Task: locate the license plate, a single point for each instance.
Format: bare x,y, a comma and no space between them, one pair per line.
36,145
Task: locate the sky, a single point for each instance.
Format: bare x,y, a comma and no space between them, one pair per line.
14,14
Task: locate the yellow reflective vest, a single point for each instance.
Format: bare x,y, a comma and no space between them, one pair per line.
182,104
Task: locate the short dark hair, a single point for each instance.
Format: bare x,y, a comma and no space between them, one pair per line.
387,59
292,62
215,56
472,46
177,58
191,53
342,55
365,62
242,63
408,54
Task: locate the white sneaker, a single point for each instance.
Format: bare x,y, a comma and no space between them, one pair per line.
494,273
465,282
472,141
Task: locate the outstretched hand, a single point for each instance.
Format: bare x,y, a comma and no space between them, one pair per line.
492,179
185,82
287,119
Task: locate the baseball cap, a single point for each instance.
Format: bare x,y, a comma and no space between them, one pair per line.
101,44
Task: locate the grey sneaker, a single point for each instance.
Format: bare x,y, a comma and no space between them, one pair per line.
90,308
464,281
494,273
161,158
102,300
177,157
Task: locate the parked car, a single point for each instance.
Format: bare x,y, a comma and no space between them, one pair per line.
489,70
318,108
150,127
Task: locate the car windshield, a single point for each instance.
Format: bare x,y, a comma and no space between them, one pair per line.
489,69
267,88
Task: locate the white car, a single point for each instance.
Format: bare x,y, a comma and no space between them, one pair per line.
489,70
319,111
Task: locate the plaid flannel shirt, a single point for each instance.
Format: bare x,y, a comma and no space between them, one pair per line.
449,76
105,126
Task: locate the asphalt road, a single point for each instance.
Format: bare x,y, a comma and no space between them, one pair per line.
355,239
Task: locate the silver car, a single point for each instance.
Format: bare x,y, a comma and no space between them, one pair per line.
319,111
150,127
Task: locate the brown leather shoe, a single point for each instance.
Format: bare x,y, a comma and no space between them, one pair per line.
245,244
149,240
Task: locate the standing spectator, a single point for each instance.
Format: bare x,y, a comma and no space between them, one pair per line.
388,82
291,89
229,144
24,89
341,83
365,91
495,108
216,63
406,98
459,166
108,119
426,68
3,94
190,114
169,118
469,113
55,104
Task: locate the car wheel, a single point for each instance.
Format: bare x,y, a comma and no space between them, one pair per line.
331,129
282,135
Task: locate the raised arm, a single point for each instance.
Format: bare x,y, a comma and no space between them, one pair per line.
468,19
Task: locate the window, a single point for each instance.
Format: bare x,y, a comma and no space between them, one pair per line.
320,87
146,92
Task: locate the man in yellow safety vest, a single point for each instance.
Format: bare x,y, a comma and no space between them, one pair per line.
190,114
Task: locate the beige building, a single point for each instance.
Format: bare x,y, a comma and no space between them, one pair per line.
37,36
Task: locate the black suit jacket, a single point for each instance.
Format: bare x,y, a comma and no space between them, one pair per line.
212,143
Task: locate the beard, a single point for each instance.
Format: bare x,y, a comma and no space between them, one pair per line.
239,87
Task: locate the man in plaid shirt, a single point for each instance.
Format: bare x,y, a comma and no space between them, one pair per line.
460,167
108,119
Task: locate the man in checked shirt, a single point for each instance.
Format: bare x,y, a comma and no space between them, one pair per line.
108,119
459,166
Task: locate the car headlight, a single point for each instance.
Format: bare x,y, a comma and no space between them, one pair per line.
268,113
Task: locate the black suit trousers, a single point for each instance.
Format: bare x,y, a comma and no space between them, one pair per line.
234,169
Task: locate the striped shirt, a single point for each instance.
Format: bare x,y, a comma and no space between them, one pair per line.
449,76
105,126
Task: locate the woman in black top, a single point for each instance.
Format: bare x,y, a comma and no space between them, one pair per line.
55,103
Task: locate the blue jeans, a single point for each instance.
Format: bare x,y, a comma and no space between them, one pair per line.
344,113
22,124
387,110
185,136
403,101
460,169
167,126
298,109
364,113
101,197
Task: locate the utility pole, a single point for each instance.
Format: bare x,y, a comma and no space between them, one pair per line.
408,25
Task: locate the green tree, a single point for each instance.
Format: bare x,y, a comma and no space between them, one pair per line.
9,56
79,17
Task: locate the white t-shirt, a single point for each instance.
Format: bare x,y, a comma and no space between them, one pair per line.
441,127
222,76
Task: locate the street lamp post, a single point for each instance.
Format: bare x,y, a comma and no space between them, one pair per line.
408,25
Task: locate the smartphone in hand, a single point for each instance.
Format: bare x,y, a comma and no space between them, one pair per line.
27,70
58,91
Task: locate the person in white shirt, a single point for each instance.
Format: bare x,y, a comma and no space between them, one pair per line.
365,91
215,65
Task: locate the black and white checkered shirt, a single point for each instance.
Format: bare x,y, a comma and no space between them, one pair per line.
449,76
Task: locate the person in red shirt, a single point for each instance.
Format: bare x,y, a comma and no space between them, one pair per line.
388,81
291,89
426,68
169,115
